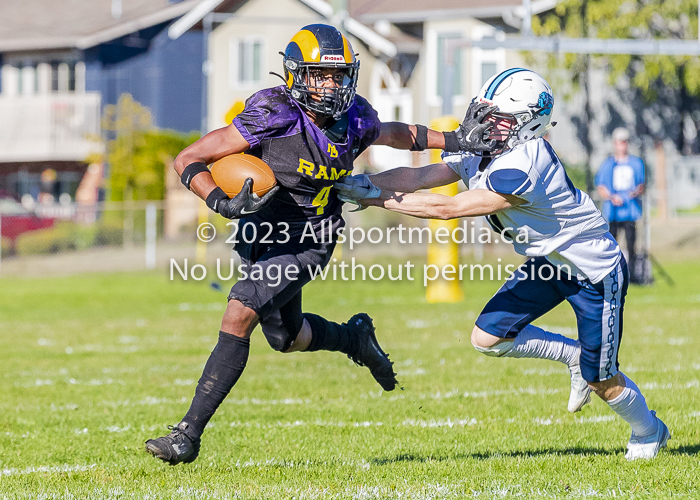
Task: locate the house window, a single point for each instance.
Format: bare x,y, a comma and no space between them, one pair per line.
456,65
485,63
246,61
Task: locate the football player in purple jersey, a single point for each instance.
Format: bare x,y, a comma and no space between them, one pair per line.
309,131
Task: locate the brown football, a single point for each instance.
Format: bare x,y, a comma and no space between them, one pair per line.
230,172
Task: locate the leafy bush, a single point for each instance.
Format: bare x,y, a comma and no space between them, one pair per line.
68,236
51,240
62,237
109,233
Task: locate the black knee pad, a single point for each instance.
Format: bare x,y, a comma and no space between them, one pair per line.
281,330
278,338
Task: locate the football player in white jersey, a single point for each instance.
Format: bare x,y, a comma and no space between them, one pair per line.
516,180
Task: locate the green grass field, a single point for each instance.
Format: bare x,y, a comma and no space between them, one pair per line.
92,366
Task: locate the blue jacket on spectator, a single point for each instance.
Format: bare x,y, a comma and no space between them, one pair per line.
621,179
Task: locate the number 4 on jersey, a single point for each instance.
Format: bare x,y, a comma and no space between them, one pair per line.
321,199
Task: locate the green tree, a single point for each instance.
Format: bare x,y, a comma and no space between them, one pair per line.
126,124
137,153
667,86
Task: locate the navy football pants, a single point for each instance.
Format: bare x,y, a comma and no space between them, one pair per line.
530,293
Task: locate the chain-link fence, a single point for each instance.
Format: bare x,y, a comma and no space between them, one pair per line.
121,236
125,229
74,237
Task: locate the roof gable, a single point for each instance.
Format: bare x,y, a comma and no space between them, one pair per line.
41,24
369,11
364,33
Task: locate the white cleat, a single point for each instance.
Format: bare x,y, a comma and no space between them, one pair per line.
580,394
647,447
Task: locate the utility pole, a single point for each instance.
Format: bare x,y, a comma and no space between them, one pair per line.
341,6
587,112
661,181
340,12
527,19
203,211
207,25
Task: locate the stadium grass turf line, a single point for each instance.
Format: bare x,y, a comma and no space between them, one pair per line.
94,365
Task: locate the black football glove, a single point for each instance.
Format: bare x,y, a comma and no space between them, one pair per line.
473,133
244,203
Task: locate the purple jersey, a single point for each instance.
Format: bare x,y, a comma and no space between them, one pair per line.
305,162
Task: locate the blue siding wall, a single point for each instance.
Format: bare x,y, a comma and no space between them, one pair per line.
163,74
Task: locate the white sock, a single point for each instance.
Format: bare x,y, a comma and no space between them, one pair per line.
534,342
632,408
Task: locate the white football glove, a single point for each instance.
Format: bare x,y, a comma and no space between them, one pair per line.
355,188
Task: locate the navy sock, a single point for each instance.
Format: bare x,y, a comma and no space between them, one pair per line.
223,369
329,336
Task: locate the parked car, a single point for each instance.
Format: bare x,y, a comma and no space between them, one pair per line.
15,219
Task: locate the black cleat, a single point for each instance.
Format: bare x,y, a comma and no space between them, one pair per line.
177,447
370,354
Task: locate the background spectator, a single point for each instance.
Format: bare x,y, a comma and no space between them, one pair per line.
620,183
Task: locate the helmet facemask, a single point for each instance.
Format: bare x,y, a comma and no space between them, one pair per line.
500,136
308,91
521,129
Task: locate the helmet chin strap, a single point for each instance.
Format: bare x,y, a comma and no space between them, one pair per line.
279,76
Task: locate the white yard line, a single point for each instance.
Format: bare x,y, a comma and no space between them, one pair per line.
403,490
55,469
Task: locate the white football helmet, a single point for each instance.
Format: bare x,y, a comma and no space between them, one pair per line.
523,96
